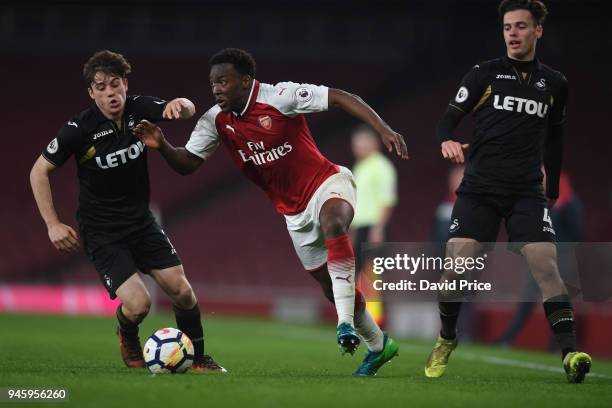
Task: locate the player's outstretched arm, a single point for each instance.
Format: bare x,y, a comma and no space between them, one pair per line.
182,161
179,108
62,236
356,107
451,149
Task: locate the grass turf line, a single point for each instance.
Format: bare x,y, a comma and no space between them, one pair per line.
277,364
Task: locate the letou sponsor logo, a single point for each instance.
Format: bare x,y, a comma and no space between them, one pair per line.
520,105
120,156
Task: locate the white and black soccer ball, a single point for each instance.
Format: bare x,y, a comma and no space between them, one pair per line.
168,351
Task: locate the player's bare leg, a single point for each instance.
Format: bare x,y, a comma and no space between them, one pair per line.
187,312
449,306
542,260
134,307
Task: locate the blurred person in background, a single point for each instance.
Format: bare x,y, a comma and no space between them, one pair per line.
376,181
118,230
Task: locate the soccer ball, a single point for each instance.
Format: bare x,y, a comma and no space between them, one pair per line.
168,351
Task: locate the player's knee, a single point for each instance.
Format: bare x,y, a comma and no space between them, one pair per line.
463,247
333,226
183,296
137,308
335,218
543,264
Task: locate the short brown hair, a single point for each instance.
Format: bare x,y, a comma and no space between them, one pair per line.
537,9
108,62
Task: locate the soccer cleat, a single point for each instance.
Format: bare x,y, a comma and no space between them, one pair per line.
374,360
577,365
348,340
206,363
438,358
131,351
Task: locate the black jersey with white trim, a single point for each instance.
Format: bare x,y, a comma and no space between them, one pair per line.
111,164
512,113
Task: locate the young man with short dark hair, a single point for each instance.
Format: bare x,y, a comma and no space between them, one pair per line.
519,107
117,228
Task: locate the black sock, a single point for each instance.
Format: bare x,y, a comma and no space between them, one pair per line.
188,321
449,313
128,328
560,315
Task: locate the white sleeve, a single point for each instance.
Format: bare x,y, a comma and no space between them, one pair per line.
292,99
204,138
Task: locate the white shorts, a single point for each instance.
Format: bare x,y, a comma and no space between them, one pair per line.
305,228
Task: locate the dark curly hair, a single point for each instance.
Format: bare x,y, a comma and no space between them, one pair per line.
108,62
240,59
537,9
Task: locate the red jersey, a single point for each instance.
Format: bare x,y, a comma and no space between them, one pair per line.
270,141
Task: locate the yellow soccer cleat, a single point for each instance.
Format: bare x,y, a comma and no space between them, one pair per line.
577,365
438,358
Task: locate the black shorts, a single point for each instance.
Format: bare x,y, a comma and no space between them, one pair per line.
117,257
476,216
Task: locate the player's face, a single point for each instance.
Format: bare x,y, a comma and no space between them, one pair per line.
229,87
363,145
109,92
521,33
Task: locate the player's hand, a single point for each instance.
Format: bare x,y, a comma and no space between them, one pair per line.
453,151
392,139
179,108
63,237
149,134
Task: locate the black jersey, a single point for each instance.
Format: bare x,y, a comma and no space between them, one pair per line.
111,164
512,111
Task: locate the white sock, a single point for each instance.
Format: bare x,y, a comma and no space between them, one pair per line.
369,331
342,274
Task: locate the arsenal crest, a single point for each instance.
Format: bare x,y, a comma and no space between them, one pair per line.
265,122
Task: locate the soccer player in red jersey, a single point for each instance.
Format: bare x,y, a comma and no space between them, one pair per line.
264,130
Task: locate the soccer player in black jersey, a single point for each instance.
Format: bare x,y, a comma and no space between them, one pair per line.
518,105
116,226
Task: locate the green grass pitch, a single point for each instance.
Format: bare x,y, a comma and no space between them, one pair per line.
274,364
